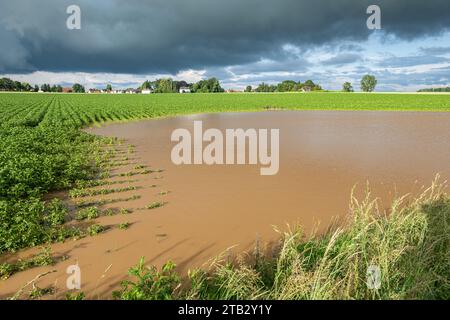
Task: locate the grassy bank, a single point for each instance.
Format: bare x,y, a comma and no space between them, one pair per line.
410,245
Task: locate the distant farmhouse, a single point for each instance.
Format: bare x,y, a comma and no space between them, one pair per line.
131,91
146,91
185,90
67,90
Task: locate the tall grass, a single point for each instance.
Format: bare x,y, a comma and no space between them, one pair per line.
410,243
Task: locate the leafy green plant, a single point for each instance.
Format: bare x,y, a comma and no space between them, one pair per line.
37,292
56,212
88,213
155,205
150,284
43,258
124,226
95,229
75,296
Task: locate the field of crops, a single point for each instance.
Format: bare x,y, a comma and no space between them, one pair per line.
80,110
42,148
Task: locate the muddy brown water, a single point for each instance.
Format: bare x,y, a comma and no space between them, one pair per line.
323,154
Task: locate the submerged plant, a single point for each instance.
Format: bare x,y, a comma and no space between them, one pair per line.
95,229
124,226
149,283
155,205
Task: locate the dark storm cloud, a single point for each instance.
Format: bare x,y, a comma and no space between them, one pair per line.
167,36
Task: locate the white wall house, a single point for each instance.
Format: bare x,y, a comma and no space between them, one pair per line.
185,90
146,91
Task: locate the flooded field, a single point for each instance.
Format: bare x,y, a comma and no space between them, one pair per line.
209,209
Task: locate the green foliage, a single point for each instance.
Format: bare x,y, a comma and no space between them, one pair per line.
22,224
444,89
78,88
95,229
289,86
75,296
146,85
211,85
368,83
7,84
37,292
124,226
347,87
43,258
154,205
56,213
165,86
264,87
150,284
80,193
89,213
39,155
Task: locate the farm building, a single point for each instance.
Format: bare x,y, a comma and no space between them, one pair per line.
185,90
146,91
67,90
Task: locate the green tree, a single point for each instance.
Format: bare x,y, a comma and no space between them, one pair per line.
287,86
109,87
263,87
26,86
210,85
248,89
368,83
165,86
146,85
46,87
6,84
17,86
347,87
78,88
309,83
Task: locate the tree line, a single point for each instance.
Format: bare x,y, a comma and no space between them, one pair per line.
447,89
211,85
7,84
285,86
168,85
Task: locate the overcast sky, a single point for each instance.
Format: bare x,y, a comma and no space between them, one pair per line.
238,41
